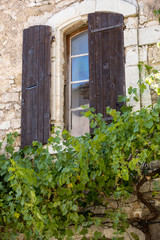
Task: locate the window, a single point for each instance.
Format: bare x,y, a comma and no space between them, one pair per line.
96,69
78,86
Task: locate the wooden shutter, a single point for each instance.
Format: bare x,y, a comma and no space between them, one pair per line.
36,75
106,60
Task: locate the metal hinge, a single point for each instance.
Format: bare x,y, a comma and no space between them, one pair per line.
53,39
107,28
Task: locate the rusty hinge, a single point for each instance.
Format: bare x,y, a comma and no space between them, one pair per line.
53,39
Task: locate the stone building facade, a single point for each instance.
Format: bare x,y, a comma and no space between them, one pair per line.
141,33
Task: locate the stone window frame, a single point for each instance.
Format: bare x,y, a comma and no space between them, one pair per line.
74,17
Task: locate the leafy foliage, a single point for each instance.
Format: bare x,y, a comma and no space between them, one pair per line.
44,195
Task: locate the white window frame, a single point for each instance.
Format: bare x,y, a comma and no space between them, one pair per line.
70,77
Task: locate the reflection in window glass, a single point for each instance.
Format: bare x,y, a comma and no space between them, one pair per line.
79,84
80,68
80,124
80,94
79,44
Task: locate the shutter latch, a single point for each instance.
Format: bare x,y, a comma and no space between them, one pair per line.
53,39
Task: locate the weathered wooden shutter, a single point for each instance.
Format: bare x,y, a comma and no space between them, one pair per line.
36,75
106,60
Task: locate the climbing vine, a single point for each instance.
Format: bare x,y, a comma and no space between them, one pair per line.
44,195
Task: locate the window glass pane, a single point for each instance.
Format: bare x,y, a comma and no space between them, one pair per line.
80,68
79,44
80,124
80,94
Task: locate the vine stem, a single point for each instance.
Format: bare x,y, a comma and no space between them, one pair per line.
140,196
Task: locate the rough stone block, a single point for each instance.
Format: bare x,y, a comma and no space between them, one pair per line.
8,106
149,35
130,37
85,7
152,23
2,106
132,76
10,115
1,114
131,199
5,125
131,22
63,16
10,97
145,187
142,19
154,54
143,54
17,107
132,56
16,123
146,98
123,7
137,213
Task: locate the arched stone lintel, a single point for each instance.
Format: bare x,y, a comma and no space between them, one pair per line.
79,9
134,2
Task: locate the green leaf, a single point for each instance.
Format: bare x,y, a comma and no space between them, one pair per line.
74,217
97,235
125,173
64,209
74,207
135,236
149,124
84,231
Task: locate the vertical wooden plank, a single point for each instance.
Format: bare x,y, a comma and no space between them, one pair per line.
98,73
119,49
24,76
112,86
34,86
91,40
28,130
41,85
98,65
105,65
29,84
106,94
47,58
